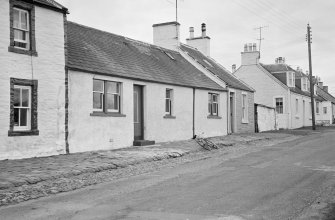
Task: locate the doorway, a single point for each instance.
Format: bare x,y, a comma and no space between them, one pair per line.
231,112
138,113
303,113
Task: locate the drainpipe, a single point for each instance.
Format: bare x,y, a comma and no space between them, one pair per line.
228,110
193,120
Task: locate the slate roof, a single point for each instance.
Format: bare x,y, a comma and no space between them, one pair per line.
52,4
325,95
95,51
273,68
215,68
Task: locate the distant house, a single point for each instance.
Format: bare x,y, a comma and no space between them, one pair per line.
32,115
240,96
278,86
327,110
123,92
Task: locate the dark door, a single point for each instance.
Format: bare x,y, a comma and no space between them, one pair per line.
231,112
138,112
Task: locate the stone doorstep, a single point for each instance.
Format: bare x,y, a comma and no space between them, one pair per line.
143,143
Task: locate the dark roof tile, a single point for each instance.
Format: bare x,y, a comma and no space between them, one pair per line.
215,68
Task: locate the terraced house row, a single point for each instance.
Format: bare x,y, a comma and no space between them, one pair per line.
85,89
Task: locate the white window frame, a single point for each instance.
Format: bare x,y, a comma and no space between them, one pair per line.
244,101
19,28
104,93
275,104
213,105
118,94
291,79
169,100
317,108
103,96
28,126
325,110
304,84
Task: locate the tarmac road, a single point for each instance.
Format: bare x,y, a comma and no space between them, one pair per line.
292,180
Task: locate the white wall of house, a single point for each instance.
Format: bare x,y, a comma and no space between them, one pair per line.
116,132
301,115
267,89
48,69
322,117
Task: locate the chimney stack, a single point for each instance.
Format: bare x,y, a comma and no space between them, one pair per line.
250,56
201,43
320,84
280,60
191,32
325,88
167,35
233,68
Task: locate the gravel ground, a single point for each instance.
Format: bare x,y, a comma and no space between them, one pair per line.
50,187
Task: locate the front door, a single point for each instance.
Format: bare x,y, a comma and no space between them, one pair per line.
138,112
231,115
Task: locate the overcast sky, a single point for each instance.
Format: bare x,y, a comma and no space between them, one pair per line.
230,24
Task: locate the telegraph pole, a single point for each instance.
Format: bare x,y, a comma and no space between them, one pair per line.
260,37
310,73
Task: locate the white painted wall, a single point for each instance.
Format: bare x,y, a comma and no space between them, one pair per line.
48,69
267,89
202,44
299,119
266,119
116,132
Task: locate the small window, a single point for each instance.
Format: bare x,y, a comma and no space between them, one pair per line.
296,106
279,106
21,28
168,101
23,107
106,96
244,108
213,104
324,110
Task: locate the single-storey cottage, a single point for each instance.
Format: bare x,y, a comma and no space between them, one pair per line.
123,92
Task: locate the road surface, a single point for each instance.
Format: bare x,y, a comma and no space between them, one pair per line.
292,180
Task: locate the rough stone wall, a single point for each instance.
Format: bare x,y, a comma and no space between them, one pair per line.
249,125
48,68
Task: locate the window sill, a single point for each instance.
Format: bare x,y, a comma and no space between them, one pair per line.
23,133
22,51
169,116
214,117
245,122
107,114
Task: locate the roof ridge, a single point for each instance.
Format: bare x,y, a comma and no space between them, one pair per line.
126,38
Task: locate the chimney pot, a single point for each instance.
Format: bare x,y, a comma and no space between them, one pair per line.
191,32
233,67
254,47
203,30
245,47
250,47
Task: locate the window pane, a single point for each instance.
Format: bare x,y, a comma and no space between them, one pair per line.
168,93
16,117
17,97
112,87
215,109
209,108
112,101
23,116
135,109
24,19
215,98
16,18
25,97
19,35
98,85
167,105
97,100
